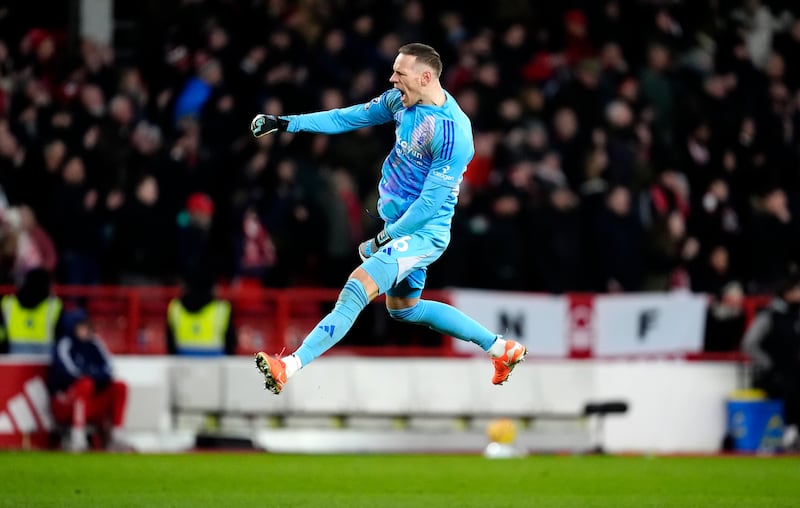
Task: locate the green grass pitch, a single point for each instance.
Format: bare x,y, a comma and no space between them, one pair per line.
229,480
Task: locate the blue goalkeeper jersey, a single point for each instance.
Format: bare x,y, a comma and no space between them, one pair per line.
420,177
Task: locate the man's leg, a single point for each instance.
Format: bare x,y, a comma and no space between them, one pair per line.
108,408
72,407
404,304
359,290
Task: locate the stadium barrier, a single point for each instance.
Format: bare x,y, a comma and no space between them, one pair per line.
132,321
404,376
353,403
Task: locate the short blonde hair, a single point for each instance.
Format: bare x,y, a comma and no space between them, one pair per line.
425,54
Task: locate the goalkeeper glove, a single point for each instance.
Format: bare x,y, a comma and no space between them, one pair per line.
370,247
262,125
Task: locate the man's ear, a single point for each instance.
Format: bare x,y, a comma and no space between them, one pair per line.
426,77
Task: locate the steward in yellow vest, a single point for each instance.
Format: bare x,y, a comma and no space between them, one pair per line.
199,324
31,318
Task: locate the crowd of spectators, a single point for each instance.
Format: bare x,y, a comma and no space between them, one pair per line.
621,145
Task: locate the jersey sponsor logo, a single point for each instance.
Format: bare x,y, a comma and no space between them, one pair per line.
442,173
404,147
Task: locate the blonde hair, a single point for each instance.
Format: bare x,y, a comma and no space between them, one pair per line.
425,54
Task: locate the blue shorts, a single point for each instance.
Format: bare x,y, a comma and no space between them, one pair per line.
400,268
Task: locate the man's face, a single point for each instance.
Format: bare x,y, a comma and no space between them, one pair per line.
793,295
407,77
83,331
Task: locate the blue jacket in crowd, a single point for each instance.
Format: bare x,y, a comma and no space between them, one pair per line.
73,358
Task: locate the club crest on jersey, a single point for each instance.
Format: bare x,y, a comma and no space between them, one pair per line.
373,101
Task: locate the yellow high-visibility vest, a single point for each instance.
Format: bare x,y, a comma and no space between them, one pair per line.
30,330
200,332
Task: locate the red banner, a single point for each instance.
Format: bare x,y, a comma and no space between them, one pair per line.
580,330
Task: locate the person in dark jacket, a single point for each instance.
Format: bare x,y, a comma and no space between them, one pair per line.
83,388
773,343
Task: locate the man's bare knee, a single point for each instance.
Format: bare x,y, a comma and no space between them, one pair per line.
370,286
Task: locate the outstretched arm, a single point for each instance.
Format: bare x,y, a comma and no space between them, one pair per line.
375,112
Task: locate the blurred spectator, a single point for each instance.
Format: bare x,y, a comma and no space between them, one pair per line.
343,216
713,270
658,90
144,243
199,323
41,55
77,225
716,220
725,319
31,318
18,175
505,268
194,236
30,245
566,140
759,24
581,93
669,192
296,222
622,144
787,44
83,388
692,109
619,240
197,91
255,254
773,248
669,251
773,343
558,247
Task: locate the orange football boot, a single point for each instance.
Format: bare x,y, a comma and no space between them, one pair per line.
274,371
503,365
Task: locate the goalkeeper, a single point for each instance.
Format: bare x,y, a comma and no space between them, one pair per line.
418,190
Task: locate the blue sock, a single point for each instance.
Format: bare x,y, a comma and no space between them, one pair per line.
448,320
335,325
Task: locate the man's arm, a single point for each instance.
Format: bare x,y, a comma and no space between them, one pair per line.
101,371
422,210
452,151
754,336
378,111
451,154
63,371
340,120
